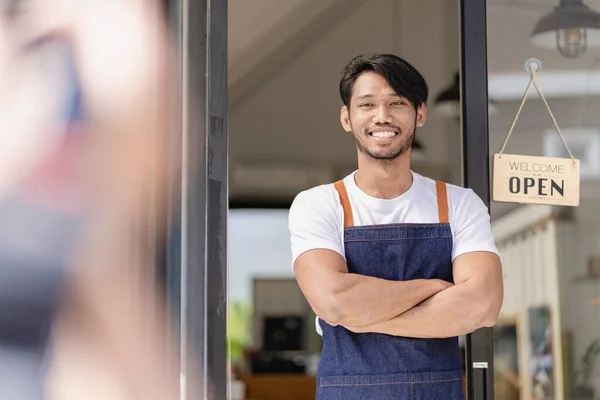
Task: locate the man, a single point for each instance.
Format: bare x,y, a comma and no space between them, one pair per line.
394,264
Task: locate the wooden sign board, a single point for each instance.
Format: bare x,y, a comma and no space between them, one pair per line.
536,180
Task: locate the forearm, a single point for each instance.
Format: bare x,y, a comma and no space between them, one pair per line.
363,300
455,311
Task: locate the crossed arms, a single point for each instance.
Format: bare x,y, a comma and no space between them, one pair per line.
423,308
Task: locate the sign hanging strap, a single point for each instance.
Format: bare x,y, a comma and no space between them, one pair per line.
531,179
533,66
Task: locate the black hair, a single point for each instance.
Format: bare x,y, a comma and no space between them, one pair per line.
401,76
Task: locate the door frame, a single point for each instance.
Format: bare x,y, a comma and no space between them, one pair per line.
476,176
197,268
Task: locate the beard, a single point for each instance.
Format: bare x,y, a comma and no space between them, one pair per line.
391,151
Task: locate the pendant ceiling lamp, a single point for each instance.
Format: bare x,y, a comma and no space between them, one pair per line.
571,27
447,102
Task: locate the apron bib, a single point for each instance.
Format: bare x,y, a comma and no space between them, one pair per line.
364,366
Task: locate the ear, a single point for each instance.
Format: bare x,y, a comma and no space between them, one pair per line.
421,115
345,119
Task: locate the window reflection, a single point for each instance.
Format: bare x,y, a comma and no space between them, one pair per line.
546,343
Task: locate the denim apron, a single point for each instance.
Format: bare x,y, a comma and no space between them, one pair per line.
361,366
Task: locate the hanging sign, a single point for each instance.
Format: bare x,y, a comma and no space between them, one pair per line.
536,180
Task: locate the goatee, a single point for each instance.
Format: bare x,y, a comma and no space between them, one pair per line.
387,154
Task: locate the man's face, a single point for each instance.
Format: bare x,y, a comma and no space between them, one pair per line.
382,122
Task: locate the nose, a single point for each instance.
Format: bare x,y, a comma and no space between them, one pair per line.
382,115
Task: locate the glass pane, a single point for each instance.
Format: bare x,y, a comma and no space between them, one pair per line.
547,340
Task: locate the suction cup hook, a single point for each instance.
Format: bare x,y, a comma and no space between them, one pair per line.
533,65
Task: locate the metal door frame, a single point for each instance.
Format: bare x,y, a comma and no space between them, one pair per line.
476,175
197,268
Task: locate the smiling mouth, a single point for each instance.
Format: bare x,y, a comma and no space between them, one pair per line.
383,135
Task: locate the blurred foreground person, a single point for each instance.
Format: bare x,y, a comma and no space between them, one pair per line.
85,117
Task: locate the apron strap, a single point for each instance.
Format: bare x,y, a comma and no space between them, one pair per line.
341,189
442,198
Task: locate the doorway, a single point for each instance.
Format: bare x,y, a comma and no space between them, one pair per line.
282,135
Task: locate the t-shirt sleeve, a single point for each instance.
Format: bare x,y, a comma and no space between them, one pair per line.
472,227
313,223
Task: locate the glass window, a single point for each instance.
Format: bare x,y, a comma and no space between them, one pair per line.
547,342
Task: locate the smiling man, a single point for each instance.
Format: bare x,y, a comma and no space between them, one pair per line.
395,265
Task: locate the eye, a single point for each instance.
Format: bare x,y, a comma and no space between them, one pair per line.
363,105
398,103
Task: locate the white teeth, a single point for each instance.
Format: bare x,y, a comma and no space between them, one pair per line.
383,134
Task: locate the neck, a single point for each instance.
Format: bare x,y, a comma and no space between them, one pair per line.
384,179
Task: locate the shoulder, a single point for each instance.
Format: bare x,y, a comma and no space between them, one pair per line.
463,203
470,222
456,194
315,221
322,198
320,202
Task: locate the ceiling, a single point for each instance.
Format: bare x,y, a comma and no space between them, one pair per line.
260,28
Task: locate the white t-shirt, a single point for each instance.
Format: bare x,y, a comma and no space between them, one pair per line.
316,217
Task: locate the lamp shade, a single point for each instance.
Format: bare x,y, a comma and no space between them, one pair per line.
447,102
571,27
